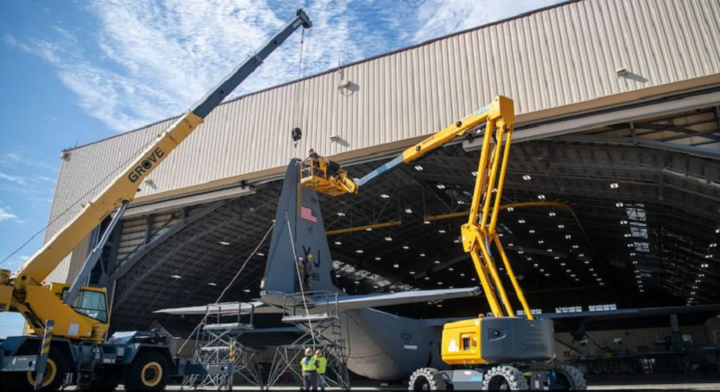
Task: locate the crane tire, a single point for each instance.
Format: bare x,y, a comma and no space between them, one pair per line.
56,367
147,372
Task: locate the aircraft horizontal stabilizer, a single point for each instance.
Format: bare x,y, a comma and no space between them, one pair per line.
632,313
224,309
406,297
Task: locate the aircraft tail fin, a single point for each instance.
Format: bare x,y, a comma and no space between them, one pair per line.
299,232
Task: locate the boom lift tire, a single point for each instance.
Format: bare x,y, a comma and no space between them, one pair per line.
572,377
56,367
427,379
504,378
147,372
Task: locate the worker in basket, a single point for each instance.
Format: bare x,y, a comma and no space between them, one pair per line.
332,167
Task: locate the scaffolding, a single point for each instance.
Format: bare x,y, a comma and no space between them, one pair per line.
217,345
317,315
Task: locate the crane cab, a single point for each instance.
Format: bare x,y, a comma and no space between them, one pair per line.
325,176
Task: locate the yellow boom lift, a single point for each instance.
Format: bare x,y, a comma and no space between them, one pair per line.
68,324
484,352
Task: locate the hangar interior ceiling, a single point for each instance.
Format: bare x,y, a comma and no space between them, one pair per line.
636,224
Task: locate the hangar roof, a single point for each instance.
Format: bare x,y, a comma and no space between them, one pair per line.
635,223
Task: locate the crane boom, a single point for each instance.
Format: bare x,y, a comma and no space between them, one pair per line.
124,187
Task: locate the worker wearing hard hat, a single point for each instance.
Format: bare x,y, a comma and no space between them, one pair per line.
309,370
321,363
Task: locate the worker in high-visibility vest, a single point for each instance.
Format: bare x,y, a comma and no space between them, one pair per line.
321,362
309,370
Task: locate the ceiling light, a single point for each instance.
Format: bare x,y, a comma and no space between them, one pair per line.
440,186
341,213
396,266
541,242
713,245
551,213
357,282
437,261
359,251
409,211
549,250
547,274
602,283
510,209
542,197
581,255
623,222
527,177
422,254
599,279
175,276
368,229
378,258
561,226
462,274
594,275
460,202
261,254
642,291
628,235
568,236
572,275
225,243
246,290
473,279
427,278
212,284
406,247
520,252
614,185
562,264
521,221
412,272
418,167
474,174
557,257
575,246
388,238
458,241
531,231
630,245
542,269
632,254
619,204
708,256
511,245
587,261
577,279
450,269
635,262
535,265
337,275
427,222
338,243
568,271
441,231
384,196
439,283
704,265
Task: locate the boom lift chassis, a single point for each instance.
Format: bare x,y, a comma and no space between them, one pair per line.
502,351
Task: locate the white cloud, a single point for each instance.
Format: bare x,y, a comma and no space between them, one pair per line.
5,214
16,179
148,61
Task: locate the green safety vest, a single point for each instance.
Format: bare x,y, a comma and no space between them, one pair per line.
321,362
308,364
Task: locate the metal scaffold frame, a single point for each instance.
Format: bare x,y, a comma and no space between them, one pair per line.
217,344
322,330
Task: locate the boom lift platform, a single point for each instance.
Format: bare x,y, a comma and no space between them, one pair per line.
496,352
68,324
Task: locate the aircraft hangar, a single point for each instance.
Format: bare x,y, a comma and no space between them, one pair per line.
611,196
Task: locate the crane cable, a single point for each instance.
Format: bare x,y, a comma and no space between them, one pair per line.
197,327
302,291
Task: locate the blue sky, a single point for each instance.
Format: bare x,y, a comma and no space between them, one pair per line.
77,71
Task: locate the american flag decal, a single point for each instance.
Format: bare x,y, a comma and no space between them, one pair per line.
308,214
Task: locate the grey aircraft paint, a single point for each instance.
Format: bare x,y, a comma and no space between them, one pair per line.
381,346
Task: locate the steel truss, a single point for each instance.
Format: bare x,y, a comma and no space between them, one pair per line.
322,330
218,345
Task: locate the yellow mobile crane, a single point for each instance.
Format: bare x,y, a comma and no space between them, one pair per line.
482,350
69,323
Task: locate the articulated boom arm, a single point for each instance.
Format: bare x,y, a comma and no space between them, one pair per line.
478,233
123,188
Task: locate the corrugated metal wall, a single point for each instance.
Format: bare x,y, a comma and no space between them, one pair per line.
560,56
